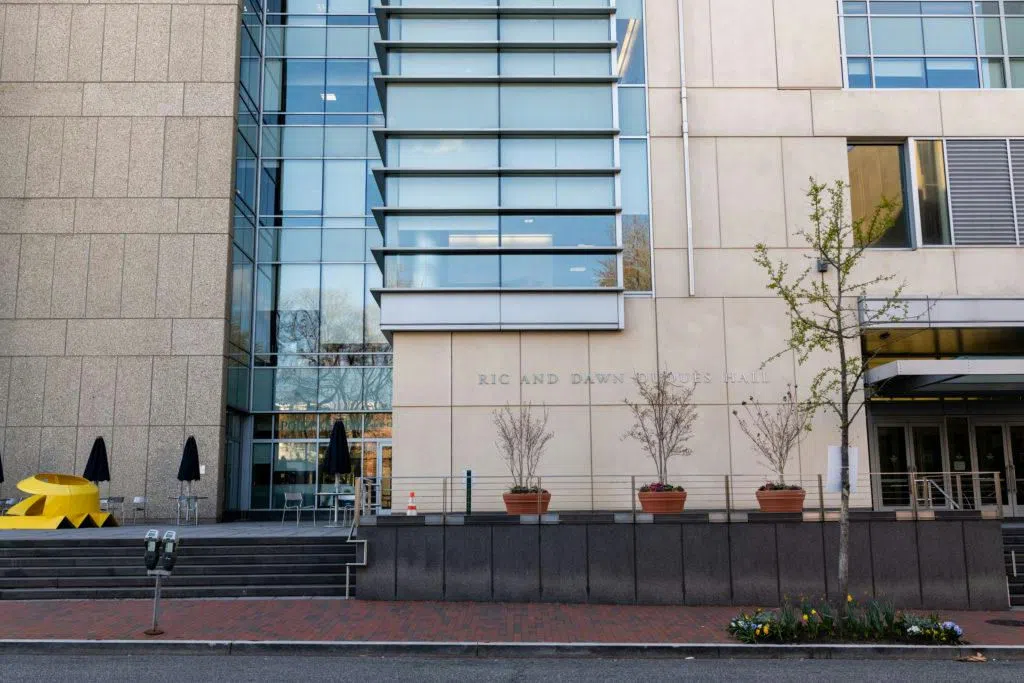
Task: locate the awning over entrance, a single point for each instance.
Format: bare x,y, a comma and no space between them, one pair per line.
955,377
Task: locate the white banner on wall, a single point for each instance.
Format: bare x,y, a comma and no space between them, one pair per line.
833,480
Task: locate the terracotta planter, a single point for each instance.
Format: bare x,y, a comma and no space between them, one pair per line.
526,503
782,500
662,502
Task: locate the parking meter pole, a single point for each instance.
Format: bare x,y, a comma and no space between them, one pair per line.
155,630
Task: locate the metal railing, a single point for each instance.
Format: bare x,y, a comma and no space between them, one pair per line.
725,494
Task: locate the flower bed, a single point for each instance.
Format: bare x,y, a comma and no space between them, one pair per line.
873,621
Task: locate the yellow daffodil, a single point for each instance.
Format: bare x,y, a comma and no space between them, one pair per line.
814,612
849,598
805,617
766,629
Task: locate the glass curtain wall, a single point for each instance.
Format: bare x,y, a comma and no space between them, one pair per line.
303,320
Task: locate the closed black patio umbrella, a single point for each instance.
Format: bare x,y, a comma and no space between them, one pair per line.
339,459
188,470
97,468
1,473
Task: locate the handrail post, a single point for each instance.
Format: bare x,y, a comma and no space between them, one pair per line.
728,500
821,499
632,497
913,493
999,494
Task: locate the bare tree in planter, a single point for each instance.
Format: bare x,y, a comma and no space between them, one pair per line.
663,421
522,438
775,430
821,301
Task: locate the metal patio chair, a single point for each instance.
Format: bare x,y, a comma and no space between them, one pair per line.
293,501
138,505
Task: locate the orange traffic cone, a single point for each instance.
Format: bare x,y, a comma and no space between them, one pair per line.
410,509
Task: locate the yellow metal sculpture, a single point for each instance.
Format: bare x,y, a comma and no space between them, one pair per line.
57,501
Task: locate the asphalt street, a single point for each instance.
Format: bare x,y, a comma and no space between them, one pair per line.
160,668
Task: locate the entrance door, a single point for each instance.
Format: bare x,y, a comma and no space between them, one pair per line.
1015,472
930,475
893,480
991,450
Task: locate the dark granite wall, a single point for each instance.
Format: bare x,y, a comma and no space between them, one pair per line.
933,564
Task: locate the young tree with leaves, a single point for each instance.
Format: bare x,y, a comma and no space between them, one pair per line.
822,303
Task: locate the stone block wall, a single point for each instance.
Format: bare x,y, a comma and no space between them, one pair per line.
116,157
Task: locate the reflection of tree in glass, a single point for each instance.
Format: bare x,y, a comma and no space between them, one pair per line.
636,257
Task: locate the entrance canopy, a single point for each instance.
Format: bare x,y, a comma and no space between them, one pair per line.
954,377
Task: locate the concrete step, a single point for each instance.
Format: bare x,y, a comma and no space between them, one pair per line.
176,580
180,569
185,549
340,557
279,591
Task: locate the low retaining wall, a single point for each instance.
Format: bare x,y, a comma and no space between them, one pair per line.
941,564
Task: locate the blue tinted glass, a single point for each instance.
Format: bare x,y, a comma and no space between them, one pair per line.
632,111
421,271
859,71
630,67
899,73
856,32
558,270
557,231
303,84
946,8
895,7
851,7
347,88
949,36
952,73
897,36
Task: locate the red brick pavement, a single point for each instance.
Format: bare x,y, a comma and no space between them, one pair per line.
332,620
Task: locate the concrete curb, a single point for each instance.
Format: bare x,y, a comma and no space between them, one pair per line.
508,650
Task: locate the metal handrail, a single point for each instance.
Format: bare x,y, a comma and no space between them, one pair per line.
930,484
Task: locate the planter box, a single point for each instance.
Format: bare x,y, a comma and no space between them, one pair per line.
662,502
526,503
781,500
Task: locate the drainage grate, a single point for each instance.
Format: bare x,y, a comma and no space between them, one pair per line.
1012,623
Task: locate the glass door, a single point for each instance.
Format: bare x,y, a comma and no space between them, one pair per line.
385,474
963,487
991,451
1015,472
893,480
930,474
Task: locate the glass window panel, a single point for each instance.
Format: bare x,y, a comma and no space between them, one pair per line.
636,221
292,388
948,36
859,72
558,231
295,427
348,88
344,182
990,36
349,41
630,66
633,155
1013,7
452,29
895,7
377,387
527,63
558,270
952,73
295,85
899,73
582,63
341,306
371,316
993,74
300,186
345,141
442,106
340,388
1015,36
297,244
297,308
556,106
877,172
418,152
1017,73
856,30
633,111
557,191
442,231
342,244
932,192
259,494
987,7
300,141
946,7
897,36
543,29
294,471
556,153
296,41
443,192
855,7
434,63
422,271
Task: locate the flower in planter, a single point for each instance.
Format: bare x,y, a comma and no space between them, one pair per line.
659,487
779,486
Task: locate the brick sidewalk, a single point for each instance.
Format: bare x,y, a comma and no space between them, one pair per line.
333,620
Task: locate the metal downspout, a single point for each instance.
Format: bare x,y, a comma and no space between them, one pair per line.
686,151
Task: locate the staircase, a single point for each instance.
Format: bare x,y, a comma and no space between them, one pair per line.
1013,548
205,568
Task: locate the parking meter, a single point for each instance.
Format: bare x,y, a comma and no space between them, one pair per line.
152,541
170,551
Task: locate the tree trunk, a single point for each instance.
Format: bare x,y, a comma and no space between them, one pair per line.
844,521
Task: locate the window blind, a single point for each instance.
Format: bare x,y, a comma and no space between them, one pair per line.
981,191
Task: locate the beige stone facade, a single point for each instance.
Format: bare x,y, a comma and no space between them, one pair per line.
116,135
767,109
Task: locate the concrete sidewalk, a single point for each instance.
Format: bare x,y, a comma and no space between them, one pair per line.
350,621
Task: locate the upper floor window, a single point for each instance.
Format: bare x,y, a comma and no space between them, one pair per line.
933,44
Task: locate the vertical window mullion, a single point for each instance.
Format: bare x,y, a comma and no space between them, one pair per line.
1013,191
949,194
918,240
1007,75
